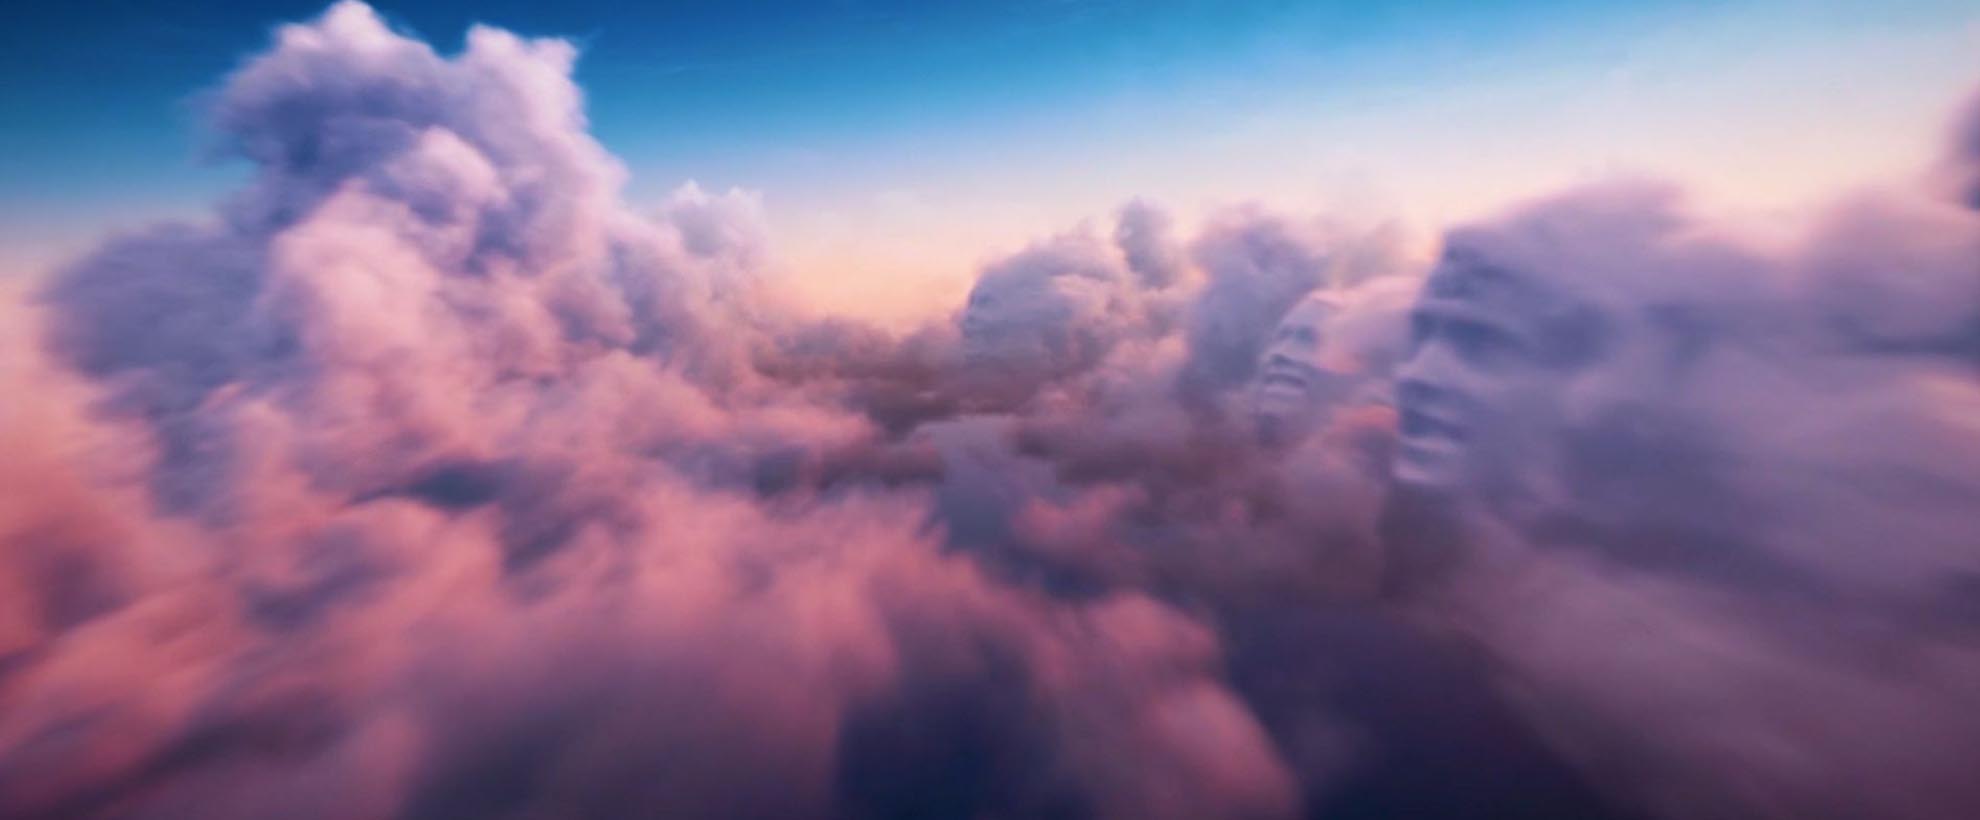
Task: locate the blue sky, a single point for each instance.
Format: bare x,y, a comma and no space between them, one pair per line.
101,91
898,135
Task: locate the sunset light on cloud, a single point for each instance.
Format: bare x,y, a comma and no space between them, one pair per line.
1058,409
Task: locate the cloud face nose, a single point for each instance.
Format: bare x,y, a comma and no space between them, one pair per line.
1433,367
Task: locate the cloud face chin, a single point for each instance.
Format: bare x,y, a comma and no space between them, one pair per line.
428,478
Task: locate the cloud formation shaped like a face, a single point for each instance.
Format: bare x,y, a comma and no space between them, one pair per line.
1671,440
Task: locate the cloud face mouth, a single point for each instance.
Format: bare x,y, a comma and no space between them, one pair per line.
1288,377
1419,426
1286,388
1429,451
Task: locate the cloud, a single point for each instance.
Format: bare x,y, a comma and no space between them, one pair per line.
429,478
1721,569
1960,167
1146,238
433,483
1256,266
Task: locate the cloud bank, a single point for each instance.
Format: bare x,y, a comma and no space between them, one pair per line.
429,478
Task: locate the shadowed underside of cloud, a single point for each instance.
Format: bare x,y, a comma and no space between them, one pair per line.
428,478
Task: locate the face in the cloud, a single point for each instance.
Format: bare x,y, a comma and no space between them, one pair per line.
1294,385
1480,391
1009,325
1027,325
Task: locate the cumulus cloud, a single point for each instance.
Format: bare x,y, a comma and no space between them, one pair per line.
1256,266
1046,312
429,478
1146,236
1719,569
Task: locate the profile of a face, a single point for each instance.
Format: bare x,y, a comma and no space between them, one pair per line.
1295,384
1009,325
1479,391
1030,324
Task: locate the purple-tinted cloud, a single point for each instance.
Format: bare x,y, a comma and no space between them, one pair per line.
428,478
